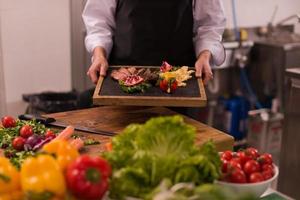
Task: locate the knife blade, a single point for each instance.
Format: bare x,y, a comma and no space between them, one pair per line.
53,122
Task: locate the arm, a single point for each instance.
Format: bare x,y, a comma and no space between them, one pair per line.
98,17
209,24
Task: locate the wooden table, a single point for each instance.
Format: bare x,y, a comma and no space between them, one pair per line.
115,119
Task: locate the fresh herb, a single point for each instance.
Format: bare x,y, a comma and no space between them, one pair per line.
162,148
8,134
19,157
139,88
91,142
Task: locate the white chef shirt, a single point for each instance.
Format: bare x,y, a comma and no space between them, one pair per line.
209,24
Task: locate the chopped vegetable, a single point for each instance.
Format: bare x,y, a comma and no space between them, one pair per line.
141,87
66,133
144,155
77,143
87,177
91,142
42,178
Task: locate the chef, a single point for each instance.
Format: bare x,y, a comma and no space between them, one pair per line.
147,32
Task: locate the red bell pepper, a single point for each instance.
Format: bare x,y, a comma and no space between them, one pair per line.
87,177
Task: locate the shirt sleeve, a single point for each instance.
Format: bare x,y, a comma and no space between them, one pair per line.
209,24
98,17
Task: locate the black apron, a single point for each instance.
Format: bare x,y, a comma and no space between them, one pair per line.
151,31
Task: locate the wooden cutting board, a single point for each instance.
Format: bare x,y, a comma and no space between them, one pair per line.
116,118
108,92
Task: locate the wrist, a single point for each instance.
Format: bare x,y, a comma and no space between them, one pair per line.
99,53
205,54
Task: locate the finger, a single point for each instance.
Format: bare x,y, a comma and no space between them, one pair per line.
93,74
208,75
103,69
198,70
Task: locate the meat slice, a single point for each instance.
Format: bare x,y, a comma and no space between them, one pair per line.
133,80
132,70
117,75
125,71
140,71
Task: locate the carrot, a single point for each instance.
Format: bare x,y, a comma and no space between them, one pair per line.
76,143
65,134
108,146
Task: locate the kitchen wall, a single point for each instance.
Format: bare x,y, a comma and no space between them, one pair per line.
259,12
35,40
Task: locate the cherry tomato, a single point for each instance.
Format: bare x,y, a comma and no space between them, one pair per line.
224,165
233,164
173,86
163,84
237,176
243,157
256,177
8,122
267,174
227,155
26,131
265,158
50,134
18,143
266,167
252,152
251,166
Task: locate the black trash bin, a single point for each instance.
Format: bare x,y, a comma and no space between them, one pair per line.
51,102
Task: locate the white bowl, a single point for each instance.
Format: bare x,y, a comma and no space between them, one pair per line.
256,189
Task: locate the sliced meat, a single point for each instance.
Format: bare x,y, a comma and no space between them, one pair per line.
140,71
133,80
132,70
125,71
117,75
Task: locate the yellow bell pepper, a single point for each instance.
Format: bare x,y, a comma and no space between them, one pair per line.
16,195
42,178
9,178
63,151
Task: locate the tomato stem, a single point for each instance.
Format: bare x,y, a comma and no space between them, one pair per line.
93,175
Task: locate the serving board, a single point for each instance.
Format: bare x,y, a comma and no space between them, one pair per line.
108,92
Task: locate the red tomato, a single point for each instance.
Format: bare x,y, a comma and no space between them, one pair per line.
265,158
233,164
224,165
227,155
266,167
50,134
256,177
8,122
267,174
18,143
26,131
243,157
174,86
163,84
251,166
252,152
237,176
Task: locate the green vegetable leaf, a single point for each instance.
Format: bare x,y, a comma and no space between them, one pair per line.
162,148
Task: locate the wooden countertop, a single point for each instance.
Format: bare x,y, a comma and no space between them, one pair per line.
115,119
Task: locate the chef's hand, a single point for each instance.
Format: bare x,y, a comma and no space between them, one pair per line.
99,65
202,66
